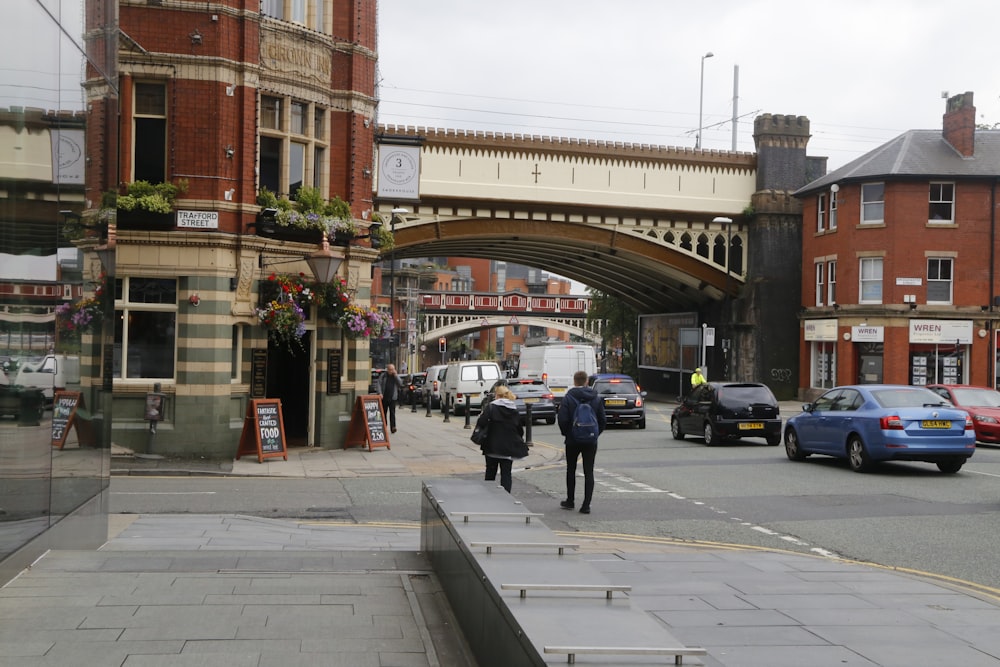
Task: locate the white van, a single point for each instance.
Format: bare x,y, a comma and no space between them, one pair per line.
555,365
432,385
468,381
50,374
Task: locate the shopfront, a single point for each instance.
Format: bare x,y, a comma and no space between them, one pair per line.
939,351
869,352
821,336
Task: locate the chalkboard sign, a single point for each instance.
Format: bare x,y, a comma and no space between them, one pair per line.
263,431
367,424
65,417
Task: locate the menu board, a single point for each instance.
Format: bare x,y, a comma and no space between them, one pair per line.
263,431
333,369
65,417
258,372
367,424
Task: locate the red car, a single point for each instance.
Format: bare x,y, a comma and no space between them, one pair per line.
982,403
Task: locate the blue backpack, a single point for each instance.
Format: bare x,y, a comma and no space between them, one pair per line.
585,428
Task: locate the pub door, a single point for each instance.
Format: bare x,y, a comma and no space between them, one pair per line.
288,380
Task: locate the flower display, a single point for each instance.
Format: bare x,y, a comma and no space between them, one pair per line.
360,322
80,317
285,322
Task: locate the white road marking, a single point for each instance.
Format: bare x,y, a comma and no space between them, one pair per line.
163,493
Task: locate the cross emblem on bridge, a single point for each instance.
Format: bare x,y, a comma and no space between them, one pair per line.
536,173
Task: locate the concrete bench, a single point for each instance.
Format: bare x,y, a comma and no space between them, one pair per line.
607,589
527,516
561,546
677,652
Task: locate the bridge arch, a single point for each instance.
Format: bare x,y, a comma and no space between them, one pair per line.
451,326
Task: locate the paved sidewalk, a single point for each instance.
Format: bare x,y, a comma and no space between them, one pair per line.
225,590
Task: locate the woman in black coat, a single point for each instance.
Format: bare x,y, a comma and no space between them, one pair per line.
505,442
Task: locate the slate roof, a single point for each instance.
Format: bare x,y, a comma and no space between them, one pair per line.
918,153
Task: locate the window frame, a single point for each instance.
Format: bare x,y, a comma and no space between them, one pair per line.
141,116
940,203
819,273
864,282
868,190
289,141
831,282
950,282
123,307
832,219
821,213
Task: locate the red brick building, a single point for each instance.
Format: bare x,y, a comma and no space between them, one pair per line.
899,253
229,97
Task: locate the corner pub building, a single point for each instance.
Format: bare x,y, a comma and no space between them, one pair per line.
224,99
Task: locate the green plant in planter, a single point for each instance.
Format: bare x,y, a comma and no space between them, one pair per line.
382,236
145,196
310,211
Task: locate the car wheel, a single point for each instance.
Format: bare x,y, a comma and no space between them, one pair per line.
675,429
774,440
951,466
710,436
550,420
642,423
857,455
792,449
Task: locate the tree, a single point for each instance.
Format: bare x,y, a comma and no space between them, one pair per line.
621,326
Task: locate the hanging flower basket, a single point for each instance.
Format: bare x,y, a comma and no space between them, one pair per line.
360,322
83,316
285,322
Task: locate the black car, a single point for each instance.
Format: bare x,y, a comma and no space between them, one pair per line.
413,386
623,399
527,391
719,411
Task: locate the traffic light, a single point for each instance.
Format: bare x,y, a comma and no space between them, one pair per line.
442,344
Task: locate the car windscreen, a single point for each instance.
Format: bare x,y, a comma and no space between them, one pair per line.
622,387
907,397
981,398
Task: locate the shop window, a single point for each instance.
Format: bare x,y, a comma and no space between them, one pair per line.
937,364
149,144
819,283
870,288
872,203
831,282
942,203
939,280
145,328
821,213
824,364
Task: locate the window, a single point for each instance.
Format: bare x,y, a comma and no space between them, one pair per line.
299,11
872,203
286,164
309,13
942,203
823,362
833,209
273,8
145,328
149,146
831,282
939,280
870,280
821,213
235,357
819,283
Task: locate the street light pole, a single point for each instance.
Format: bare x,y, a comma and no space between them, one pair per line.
701,97
394,336
728,222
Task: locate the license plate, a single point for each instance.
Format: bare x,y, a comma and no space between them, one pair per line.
751,426
928,423
614,401
531,400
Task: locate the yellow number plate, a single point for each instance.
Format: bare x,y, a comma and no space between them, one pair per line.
750,426
935,424
613,401
531,400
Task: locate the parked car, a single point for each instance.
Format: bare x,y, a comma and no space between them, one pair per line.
50,374
982,403
623,399
22,403
413,384
720,411
866,424
527,391
433,385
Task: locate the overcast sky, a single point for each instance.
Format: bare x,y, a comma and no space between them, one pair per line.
862,71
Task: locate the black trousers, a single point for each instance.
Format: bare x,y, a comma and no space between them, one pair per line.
505,465
390,412
589,454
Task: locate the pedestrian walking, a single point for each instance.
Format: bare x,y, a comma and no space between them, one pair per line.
505,436
581,421
390,387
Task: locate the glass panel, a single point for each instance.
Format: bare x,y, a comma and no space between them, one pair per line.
296,167
150,99
298,111
270,113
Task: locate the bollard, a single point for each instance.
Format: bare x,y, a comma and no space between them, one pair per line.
527,424
413,399
429,401
468,411
445,405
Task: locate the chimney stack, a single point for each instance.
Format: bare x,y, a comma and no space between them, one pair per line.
960,124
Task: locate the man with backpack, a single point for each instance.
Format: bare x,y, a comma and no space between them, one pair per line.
581,421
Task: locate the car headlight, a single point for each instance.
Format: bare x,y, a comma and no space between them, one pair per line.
985,419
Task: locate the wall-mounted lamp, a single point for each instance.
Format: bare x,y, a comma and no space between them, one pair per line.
323,263
195,37
230,151
366,172
835,188
836,306
913,305
194,300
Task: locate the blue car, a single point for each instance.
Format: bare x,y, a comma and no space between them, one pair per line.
866,424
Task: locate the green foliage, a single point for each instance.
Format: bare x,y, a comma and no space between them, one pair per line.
310,211
621,325
146,196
